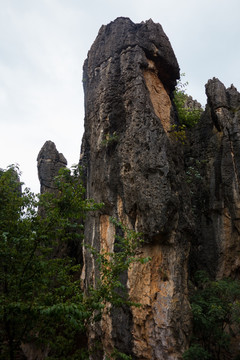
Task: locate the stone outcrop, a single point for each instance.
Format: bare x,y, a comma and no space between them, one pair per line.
216,198
183,198
49,162
132,165
192,104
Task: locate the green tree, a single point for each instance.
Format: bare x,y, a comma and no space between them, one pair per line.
40,292
41,301
216,315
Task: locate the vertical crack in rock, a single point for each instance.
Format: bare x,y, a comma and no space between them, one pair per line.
133,167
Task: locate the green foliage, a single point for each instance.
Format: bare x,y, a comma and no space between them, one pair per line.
119,355
196,352
188,116
216,315
110,139
112,264
178,133
193,171
41,301
39,291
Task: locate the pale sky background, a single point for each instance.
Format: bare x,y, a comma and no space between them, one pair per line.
43,44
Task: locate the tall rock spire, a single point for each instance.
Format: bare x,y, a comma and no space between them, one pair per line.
49,162
217,195
133,166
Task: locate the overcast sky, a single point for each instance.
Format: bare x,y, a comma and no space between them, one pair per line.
43,44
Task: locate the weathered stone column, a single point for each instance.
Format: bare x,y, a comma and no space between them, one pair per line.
49,162
216,146
133,166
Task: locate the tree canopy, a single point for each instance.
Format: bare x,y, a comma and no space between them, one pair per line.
41,300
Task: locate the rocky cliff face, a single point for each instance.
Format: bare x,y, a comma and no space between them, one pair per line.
216,199
183,198
135,168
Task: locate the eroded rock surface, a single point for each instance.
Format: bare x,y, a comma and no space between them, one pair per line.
183,198
49,162
216,197
133,166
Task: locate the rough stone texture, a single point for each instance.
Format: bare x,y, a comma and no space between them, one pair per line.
192,104
49,162
216,197
137,170
184,199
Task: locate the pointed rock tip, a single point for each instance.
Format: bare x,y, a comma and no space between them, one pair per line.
49,151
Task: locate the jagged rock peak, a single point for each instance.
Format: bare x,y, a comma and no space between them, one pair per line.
49,162
216,93
221,101
122,34
219,96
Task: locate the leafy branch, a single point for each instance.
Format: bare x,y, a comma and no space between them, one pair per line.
188,115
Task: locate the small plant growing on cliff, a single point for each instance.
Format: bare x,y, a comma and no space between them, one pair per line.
188,115
193,172
113,264
118,355
178,133
110,139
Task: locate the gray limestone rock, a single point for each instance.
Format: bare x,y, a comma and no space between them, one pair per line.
184,199
132,164
216,196
49,162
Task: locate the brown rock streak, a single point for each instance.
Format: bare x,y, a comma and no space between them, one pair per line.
107,236
158,95
152,286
